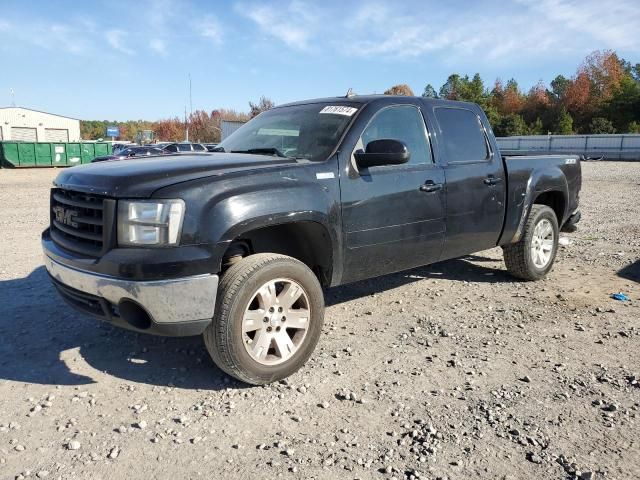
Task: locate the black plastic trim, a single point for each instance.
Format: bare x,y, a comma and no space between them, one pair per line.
102,309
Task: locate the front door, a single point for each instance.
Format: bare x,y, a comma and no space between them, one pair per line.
393,215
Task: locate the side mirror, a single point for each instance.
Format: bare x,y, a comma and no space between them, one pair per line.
383,152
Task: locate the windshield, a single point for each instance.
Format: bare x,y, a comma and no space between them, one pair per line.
309,131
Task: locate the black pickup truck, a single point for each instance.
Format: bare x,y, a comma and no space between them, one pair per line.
238,245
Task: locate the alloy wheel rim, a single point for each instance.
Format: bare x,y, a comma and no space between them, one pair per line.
542,243
276,321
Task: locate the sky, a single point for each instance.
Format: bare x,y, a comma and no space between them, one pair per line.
126,60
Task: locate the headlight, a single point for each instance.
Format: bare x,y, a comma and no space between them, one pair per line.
150,222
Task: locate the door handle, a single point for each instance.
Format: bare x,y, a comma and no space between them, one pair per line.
430,187
491,180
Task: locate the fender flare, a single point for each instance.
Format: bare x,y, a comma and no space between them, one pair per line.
549,180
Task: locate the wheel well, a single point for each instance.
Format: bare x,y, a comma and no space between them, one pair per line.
308,242
555,200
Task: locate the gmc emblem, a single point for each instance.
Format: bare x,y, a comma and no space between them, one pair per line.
65,216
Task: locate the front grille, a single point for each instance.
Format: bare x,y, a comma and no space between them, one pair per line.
81,222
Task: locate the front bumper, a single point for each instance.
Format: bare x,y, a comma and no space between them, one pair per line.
174,307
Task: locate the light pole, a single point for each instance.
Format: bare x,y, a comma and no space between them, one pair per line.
186,125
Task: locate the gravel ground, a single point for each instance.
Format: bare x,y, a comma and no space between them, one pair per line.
448,371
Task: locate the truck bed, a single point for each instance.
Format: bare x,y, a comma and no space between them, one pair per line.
547,173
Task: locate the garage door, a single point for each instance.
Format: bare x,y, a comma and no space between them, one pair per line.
23,134
56,135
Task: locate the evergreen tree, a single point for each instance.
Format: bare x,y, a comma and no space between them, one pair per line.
601,125
565,123
429,92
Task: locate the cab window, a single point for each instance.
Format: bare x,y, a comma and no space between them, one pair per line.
463,135
404,123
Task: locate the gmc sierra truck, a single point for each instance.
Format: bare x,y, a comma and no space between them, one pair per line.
237,245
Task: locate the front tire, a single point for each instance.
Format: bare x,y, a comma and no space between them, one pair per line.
532,257
268,318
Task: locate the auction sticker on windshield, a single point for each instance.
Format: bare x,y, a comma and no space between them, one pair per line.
339,110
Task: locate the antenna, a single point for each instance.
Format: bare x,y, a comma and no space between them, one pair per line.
13,97
350,93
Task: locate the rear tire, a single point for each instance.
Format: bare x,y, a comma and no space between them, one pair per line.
532,257
268,318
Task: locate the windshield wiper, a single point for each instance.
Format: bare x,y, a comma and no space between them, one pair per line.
262,151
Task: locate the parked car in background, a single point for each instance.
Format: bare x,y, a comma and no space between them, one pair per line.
129,153
184,147
118,147
211,147
159,144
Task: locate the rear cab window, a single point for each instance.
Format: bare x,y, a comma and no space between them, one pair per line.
462,135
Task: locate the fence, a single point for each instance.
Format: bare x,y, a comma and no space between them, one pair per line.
606,147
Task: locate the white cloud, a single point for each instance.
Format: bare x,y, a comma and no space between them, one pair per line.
75,36
294,24
530,27
210,29
160,12
158,45
615,25
55,36
116,39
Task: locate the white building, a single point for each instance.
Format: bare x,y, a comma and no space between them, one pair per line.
17,123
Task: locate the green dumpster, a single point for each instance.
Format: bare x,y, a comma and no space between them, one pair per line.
27,154
9,154
59,154
88,152
74,154
41,154
102,149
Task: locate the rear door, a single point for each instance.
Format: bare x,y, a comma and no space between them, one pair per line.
391,220
475,181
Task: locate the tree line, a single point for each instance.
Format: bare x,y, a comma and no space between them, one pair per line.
203,126
602,97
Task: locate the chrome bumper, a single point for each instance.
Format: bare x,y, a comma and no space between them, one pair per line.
168,302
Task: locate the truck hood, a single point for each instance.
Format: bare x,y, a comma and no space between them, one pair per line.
140,177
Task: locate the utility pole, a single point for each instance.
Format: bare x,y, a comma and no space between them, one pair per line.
186,125
190,99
